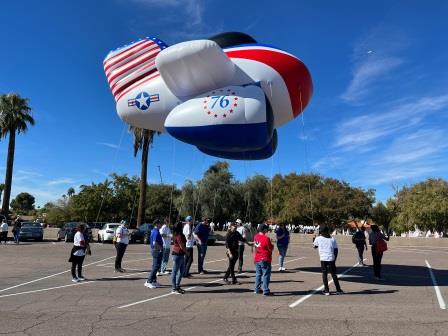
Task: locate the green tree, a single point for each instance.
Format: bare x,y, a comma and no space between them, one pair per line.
14,118
23,203
143,138
382,215
70,192
160,202
254,192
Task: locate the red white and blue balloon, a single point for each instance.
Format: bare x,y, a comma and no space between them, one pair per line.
226,95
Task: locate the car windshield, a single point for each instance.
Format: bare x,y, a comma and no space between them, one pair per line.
31,225
113,226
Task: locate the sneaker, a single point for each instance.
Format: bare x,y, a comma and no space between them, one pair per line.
226,281
268,294
280,269
339,292
258,291
159,273
156,284
174,291
326,293
81,278
166,272
180,291
75,280
118,270
147,284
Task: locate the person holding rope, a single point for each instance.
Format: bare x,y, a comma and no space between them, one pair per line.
233,239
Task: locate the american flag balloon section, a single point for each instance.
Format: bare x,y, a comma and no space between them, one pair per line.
225,95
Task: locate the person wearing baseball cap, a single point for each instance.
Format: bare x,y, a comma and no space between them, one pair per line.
262,259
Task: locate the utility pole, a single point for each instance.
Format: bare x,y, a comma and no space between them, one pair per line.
160,174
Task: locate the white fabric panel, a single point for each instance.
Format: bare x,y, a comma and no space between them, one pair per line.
154,116
209,110
271,83
193,67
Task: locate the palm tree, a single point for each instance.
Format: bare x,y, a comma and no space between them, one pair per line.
2,187
70,192
14,118
143,138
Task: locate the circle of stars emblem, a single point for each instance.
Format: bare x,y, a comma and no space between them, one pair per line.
225,112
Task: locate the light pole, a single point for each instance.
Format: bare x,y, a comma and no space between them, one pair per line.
160,174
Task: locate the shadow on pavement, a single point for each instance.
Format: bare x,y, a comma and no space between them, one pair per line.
394,275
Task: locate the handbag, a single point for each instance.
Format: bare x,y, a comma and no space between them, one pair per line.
381,246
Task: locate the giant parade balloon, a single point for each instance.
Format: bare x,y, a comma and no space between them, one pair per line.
226,95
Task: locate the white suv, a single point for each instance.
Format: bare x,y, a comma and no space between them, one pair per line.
107,232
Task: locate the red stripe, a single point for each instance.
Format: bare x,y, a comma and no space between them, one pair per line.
295,74
152,46
140,69
136,79
135,86
107,60
131,66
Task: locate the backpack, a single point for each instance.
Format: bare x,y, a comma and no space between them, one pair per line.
381,246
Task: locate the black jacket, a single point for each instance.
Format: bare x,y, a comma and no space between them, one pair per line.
232,240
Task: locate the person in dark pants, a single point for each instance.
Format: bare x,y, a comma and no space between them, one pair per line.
242,230
201,233
359,239
157,252
328,252
78,253
4,231
374,237
188,233
16,229
233,238
121,243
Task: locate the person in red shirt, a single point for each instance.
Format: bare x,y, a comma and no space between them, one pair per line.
262,259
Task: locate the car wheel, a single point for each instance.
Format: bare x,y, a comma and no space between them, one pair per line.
59,238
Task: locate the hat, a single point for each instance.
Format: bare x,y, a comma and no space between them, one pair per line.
263,227
123,222
188,218
238,221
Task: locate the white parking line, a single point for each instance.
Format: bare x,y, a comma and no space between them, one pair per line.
70,285
442,304
306,297
188,289
52,275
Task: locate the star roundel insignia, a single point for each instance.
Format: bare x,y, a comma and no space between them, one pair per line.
222,106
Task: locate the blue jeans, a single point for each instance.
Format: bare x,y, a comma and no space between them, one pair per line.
282,254
262,272
165,259
156,261
16,236
178,270
202,250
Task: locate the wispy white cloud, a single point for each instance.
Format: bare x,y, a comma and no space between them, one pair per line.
361,131
182,19
375,56
107,144
66,180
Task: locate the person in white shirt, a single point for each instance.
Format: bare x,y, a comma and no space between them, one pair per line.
78,253
166,237
328,252
189,236
4,231
242,230
122,241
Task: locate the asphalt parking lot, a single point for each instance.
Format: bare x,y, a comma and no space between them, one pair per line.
37,296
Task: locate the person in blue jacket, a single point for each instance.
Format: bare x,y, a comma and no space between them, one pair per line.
201,233
282,234
156,243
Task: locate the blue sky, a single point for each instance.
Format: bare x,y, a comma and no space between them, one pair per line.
378,117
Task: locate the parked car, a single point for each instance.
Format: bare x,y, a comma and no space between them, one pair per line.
31,230
141,234
107,232
97,225
67,232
